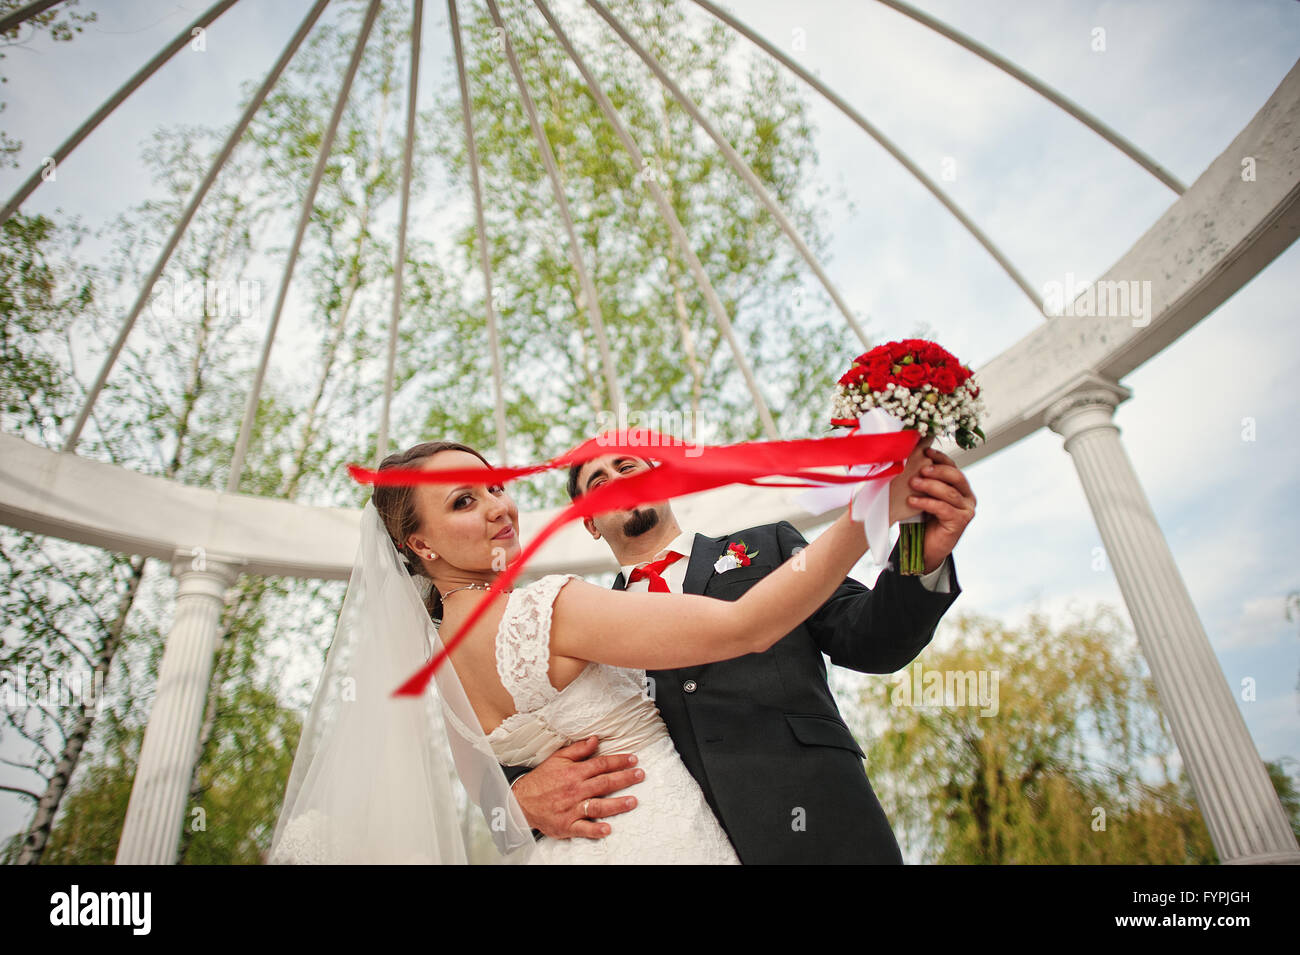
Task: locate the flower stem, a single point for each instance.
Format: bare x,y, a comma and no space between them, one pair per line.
911,550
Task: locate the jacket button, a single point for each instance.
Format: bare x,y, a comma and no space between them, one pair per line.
689,686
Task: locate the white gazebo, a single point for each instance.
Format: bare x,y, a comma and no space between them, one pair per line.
1220,232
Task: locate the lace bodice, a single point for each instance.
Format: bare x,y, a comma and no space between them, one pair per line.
611,702
523,643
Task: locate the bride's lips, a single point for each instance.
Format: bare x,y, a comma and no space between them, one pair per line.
505,533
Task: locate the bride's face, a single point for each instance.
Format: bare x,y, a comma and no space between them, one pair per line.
472,527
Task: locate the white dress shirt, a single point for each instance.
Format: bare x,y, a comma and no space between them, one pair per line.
675,573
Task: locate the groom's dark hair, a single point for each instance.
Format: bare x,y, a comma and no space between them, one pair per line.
576,469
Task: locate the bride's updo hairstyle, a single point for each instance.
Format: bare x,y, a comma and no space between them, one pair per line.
396,506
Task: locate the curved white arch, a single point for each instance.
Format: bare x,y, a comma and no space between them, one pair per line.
1222,232
1216,237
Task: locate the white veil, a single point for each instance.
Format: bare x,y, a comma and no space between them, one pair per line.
371,781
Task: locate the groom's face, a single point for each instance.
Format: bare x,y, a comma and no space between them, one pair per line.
624,525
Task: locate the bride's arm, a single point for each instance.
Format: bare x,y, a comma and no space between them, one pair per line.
665,631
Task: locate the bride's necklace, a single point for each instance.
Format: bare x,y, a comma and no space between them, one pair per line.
469,587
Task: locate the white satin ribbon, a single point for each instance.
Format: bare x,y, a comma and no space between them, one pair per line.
867,502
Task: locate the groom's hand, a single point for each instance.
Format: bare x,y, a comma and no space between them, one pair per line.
943,492
561,797
900,486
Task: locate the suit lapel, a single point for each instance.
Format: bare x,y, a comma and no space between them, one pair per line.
704,552
619,582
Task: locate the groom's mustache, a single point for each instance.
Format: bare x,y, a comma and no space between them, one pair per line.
640,522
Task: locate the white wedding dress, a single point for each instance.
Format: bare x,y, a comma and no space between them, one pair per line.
672,823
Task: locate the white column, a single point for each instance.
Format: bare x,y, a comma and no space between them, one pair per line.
156,811
1240,807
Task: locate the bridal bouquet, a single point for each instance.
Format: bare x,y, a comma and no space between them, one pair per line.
923,387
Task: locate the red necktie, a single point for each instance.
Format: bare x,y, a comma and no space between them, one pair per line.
653,572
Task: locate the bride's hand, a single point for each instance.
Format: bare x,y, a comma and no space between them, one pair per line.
560,798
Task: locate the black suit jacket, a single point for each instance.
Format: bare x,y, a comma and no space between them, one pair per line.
761,733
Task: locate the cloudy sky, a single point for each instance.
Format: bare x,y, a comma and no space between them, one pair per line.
1179,78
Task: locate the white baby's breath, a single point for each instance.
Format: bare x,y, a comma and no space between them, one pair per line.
943,417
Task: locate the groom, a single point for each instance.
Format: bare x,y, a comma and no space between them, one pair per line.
761,733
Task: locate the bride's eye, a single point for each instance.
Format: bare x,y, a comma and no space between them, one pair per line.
461,500
498,489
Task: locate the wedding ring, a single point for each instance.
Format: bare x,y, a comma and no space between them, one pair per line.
585,804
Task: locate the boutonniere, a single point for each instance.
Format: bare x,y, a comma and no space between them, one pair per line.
735,556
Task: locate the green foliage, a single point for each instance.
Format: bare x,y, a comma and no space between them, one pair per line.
42,291
243,777
60,603
92,814
1282,774
62,23
648,301
1070,765
345,271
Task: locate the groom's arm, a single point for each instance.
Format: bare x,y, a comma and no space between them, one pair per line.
877,629
882,629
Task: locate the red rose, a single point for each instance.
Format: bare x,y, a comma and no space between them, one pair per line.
938,356
945,380
741,557
913,375
897,350
853,375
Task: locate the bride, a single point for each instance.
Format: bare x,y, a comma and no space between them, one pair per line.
556,661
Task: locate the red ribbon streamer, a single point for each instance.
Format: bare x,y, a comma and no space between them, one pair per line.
682,469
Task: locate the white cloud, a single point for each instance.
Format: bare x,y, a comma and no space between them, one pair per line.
1275,723
1262,623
